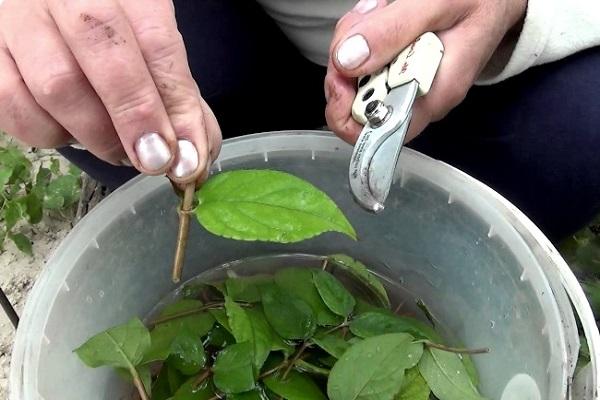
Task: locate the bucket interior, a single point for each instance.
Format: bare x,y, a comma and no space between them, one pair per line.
438,238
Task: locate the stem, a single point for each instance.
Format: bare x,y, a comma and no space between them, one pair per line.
139,385
193,311
202,377
296,357
456,349
335,328
273,370
325,262
184,228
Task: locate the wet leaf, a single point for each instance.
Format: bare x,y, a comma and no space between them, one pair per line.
414,386
219,337
187,353
255,394
360,272
376,323
233,370
248,326
122,346
298,282
296,386
33,206
161,389
164,333
382,360
332,344
335,296
221,316
191,390
289,316
267,205
446,376
246,288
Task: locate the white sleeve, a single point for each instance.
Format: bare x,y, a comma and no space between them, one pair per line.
553,29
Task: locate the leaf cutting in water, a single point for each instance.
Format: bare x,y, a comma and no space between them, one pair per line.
290,316
334,294
267,205
446,376
234,370
374,368
361,273
295,386
377,323
414,386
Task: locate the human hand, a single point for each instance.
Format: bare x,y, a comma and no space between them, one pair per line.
111,75
373,33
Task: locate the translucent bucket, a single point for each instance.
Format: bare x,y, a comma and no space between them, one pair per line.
484,270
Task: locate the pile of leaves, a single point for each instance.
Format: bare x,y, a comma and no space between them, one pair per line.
26,193
299,334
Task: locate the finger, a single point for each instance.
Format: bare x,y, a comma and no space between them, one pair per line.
59,86
374,41
458,70
21,116
340,92
102,41
360,11
164,51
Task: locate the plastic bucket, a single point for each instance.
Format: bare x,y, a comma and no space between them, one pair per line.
485,271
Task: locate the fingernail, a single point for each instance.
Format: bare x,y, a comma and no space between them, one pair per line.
186,161
126,162
353,52
364,6
152,151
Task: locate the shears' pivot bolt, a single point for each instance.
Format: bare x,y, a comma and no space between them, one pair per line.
377,113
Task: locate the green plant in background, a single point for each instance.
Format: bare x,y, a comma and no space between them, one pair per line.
582,253
27,193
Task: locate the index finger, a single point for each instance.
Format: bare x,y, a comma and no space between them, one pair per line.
102,41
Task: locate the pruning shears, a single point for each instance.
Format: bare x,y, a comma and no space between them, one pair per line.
383,104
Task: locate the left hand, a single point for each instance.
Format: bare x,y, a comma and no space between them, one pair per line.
373,33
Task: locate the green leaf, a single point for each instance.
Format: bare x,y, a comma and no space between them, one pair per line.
74,170
13,212
267,205
361,273
33,205
334,294
54,166
164,333
62,192
298,282
374,368
255,394
332,344
309,368
296,386
414,386
233,372
246,288
175,378
161,389
289,316
122,346
446,376
42,178
376,323
190,390
187,353
219,337
470,367
250,326
22,242
5,174
145,377
221,316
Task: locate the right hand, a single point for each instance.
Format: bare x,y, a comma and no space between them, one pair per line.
110,74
